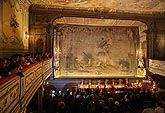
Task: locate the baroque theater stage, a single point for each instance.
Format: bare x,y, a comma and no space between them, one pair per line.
93,55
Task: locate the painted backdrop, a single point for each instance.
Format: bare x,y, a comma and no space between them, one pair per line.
101,51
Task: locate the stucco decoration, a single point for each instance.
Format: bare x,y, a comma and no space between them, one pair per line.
105,51
157,67
18,5
3,38
12,27
13,23
126,5
14,40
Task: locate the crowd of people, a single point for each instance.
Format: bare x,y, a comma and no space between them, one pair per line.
97,101
17,62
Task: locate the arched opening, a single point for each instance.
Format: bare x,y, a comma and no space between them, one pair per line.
90,47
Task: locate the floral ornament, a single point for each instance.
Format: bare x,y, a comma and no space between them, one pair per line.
14,40
13,22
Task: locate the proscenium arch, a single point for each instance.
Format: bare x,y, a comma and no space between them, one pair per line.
96,12
142,27
57,13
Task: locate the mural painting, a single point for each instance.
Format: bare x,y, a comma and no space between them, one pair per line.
107,51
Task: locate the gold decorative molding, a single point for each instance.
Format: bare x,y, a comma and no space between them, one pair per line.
126,5
10,96
157,66
23,88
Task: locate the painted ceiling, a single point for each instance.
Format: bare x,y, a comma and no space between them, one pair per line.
126,5
137,6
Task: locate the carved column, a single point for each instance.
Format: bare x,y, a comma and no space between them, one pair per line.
156,39
160,47
151,37
53,49
49,34
159,42
56,51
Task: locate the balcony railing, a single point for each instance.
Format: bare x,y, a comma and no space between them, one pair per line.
157,66
16,92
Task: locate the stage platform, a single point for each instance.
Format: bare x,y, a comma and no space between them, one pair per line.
64,82
84,76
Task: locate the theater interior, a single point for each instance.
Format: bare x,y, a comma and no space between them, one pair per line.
117,45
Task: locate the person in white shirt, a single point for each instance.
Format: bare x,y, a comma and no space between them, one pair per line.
159,108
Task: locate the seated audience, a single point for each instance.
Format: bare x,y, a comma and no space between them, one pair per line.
14,62
14,66
38,57
21,61
18,62
3,68
32,59
27,60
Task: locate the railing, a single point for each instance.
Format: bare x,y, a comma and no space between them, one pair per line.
157,66
16,92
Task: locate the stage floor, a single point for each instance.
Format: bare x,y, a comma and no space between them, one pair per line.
60,82
96,76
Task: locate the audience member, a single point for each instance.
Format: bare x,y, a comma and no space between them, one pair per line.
38,57
18,62
14,62
148,109
21,61
3,68
159,108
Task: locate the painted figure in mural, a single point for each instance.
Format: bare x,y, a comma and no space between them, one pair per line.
88,59
78,64
104,43
102,59
124,65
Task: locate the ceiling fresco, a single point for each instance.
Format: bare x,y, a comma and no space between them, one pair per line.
126,5
101,12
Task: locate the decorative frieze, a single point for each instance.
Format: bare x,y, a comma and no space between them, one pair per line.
17,90
157,66
10,96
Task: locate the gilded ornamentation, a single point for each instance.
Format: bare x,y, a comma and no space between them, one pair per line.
157,67
14,40
5,101
29,79
3,38
13,23
112,5
13,95
10,90
13,4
